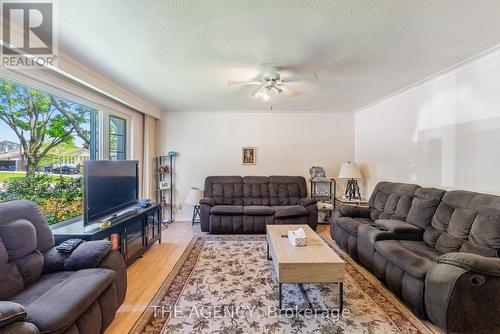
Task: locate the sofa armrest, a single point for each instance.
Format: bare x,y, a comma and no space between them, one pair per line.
114,261
397,226
11,312
205,205
88,255
312,208
352,211
20,327
307,201
472,262
461,293
368,235
208,201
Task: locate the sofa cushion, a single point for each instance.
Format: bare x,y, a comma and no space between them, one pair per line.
469,247
381,199
19,238
461,222
11,280
290,211
88,255
466,216
258,210
286,190
397,226
30,266
225,190
43,284
447,243
423,206
485,231
413,257
256,191
60,306
350,225
227,210
391,200
431,236
28,211
18,246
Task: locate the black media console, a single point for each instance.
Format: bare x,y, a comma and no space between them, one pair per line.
132,231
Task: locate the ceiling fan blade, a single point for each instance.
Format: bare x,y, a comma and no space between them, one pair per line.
257,90
289,91
301,77
243,83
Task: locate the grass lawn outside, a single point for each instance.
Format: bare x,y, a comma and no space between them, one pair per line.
11,176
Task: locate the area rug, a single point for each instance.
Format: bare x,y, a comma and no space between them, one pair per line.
225,284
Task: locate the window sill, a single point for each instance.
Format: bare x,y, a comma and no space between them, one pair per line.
65,222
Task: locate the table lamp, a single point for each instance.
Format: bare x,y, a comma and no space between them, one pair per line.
350,171
193,198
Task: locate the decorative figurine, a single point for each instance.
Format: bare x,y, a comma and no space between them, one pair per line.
317,173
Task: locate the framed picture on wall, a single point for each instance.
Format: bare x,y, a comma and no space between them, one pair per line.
248,155
164,185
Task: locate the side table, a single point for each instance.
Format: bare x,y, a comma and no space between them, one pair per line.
354,202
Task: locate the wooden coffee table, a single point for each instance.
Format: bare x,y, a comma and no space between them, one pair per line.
314,263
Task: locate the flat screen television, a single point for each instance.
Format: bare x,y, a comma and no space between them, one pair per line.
108,186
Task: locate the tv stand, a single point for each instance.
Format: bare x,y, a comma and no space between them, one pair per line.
123,213
132,230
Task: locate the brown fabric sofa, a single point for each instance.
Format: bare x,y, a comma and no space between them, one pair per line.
442,261
235,204
44,291
389,200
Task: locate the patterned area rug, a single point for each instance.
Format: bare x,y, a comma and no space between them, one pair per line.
225,284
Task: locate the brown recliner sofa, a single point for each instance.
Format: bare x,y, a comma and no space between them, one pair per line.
45,291
235,204
442,261
389,200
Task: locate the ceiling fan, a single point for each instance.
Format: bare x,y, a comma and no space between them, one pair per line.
270,84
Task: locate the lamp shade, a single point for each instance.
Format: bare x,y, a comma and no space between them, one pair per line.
193,197
349,170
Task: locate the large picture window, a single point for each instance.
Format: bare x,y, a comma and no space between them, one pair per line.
117,138
44,141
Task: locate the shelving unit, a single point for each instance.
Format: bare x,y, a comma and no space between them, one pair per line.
165,186
325,193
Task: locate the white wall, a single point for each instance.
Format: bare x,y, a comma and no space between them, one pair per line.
444,132
209,143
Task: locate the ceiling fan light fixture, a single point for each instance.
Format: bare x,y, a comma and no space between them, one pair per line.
270,95
271,85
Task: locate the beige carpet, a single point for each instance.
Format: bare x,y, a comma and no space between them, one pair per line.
225,284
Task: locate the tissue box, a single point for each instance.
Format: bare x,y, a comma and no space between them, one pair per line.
296,240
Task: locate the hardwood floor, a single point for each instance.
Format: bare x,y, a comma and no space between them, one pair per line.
147,274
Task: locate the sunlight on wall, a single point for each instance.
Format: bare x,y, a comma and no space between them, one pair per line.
443,133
